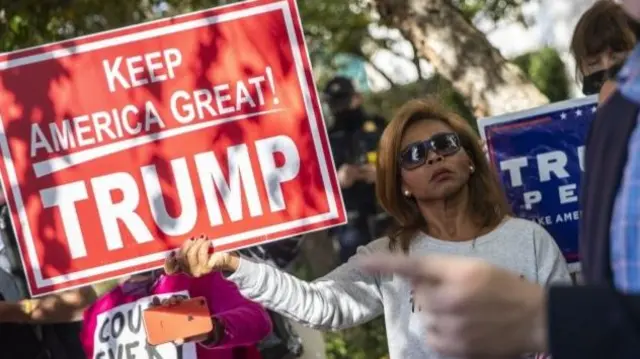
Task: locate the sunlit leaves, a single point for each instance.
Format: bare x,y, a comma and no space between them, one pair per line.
495,10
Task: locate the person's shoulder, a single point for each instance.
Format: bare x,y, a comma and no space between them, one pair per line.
520,225
528,228
379,245
379,122
377,118
383,244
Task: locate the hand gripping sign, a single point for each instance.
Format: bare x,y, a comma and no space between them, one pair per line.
119,145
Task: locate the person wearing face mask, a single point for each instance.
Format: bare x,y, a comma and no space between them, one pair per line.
437,185
354,137
603,38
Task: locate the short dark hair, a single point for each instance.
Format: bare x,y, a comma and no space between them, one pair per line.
605,26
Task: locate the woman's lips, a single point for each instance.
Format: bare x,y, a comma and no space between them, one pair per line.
440,174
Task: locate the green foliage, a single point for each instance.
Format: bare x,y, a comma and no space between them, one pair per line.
29,23
495,10
547,71
330,25
544,67
334,26
387,102
368,341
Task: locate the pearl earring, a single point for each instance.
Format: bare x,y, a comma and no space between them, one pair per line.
407,193
472,169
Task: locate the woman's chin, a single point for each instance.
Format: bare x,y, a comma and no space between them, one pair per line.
444,191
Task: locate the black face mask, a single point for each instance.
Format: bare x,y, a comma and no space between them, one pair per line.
591,84
350,119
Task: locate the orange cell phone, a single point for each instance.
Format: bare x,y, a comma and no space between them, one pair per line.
187,319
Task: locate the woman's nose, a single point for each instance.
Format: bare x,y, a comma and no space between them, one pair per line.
432,158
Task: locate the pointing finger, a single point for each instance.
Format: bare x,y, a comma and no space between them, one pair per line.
424,269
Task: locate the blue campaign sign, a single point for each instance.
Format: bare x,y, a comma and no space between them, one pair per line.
539,154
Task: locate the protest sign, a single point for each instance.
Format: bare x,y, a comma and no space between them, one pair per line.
120,333
119,145
539,154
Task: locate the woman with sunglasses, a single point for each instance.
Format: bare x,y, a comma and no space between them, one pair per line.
434,180
602,40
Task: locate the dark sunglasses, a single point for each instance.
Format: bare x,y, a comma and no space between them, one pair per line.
443,144
591,84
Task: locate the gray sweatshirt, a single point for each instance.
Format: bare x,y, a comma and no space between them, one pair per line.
348,296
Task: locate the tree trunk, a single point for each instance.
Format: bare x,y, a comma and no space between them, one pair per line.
462,54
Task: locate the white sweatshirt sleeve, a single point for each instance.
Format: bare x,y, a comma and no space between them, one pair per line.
344,298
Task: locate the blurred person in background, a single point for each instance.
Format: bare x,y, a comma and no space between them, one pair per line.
40,328
603,38
436,183
354,137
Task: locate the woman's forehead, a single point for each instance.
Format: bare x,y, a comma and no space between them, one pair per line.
593,63
422,130
601,61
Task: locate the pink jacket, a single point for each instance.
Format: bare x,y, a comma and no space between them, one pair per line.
113,326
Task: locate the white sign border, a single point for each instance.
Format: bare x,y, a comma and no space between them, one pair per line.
282,6
483,123
537,111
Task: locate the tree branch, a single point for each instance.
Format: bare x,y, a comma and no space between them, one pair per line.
416,60
381,72
465,57
359,53
383,43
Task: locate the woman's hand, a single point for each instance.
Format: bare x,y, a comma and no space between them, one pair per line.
197,258
368,173
16,312
348,175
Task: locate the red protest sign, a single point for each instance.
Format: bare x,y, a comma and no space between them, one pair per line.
117,146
